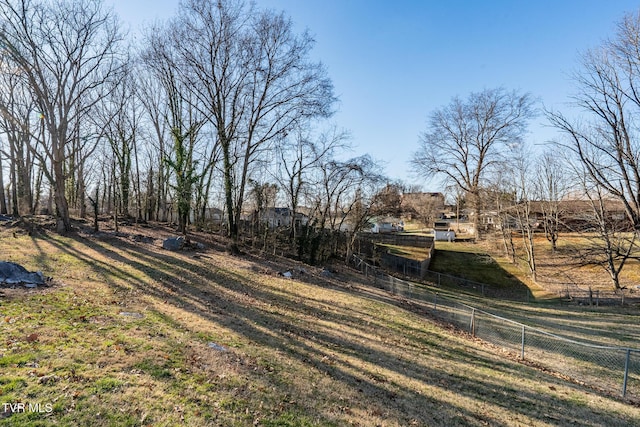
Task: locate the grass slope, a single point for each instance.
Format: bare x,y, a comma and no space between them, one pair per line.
471,261
128,340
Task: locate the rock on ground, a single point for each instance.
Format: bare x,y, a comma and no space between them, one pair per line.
173,243
15,274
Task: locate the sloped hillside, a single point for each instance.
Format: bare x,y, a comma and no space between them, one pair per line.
130,334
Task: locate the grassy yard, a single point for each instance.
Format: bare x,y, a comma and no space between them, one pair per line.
564,269
471,261
131,335
411,252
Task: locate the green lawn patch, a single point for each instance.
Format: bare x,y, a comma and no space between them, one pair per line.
410,252
472,262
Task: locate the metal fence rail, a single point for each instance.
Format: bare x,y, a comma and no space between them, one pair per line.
615,369
477,287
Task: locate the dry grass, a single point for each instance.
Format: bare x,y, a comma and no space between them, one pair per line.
125,338
565,268
410,252
559,273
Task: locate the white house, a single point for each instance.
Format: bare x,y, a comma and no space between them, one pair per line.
386,225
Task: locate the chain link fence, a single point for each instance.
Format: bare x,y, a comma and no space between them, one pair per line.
614,369
441,279
578,295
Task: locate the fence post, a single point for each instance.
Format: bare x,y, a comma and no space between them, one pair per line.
472,325
626,372
435,302
522,350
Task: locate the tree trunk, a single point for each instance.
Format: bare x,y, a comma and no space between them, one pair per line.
531,255
137,182
14,189
81,191
477,208
62,207
162,214
228,190
36,193
95,203
3,200
149,198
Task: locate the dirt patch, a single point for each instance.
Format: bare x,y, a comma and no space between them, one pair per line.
9,293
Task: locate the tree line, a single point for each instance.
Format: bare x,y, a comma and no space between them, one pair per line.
210,109
223,107
478,145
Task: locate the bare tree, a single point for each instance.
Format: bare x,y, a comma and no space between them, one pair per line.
503,201
344,198
64,50
365,202
424,207
612,245
299,160
3,199
118,117
210,160
153,99
251,74
185,123
552,185
263,195
18,120
523,190
466,139
388,201
606,142
184,167
184,118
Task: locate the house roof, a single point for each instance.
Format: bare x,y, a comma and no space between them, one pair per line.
573,206
385,219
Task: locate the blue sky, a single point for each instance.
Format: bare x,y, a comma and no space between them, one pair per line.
394,62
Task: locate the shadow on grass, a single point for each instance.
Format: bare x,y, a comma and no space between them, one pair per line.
477,272
340,341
